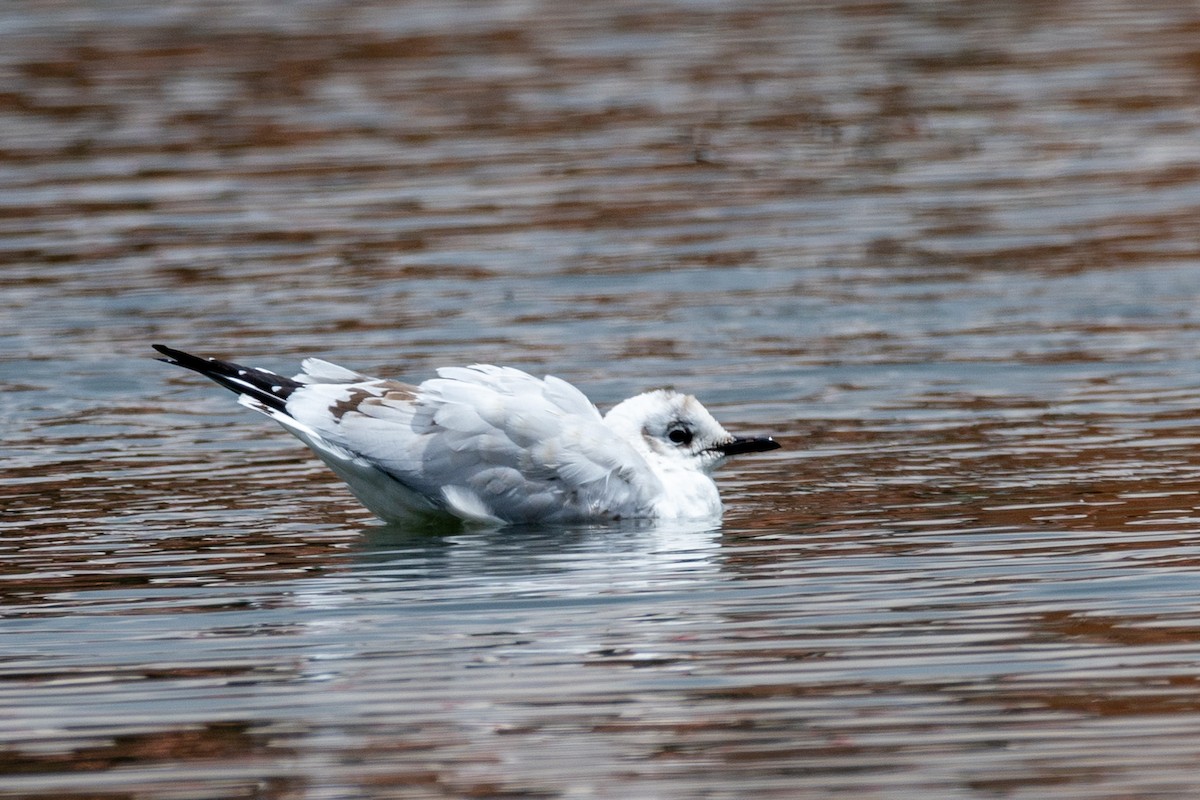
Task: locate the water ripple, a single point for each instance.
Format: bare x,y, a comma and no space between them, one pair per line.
946,254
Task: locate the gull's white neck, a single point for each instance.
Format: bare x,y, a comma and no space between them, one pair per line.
686,492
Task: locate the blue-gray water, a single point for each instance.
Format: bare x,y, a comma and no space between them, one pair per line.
946,252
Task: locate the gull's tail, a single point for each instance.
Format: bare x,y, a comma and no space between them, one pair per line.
266,387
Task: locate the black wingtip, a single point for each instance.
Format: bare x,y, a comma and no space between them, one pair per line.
263,385
205,366
172,356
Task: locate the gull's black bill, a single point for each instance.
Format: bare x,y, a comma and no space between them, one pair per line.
741,445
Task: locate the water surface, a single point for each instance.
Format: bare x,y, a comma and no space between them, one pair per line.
946,253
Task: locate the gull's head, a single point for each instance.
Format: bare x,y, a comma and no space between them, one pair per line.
677,432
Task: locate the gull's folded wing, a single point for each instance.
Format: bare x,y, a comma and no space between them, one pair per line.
486,443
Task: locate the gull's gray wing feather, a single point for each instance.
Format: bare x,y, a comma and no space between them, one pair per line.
482,443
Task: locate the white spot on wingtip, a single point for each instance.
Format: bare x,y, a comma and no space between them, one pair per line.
276,389
241,372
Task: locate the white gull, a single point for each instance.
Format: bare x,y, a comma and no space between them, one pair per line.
493,445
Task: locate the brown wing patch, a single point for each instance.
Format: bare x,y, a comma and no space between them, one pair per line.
373,394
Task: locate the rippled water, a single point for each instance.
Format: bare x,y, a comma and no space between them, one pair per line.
946,252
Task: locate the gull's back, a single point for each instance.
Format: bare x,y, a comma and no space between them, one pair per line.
481,443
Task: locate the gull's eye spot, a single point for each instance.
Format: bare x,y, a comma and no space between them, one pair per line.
680,436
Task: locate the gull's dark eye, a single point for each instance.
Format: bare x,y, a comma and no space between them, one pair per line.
680,436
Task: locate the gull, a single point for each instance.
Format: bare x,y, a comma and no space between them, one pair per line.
493,445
